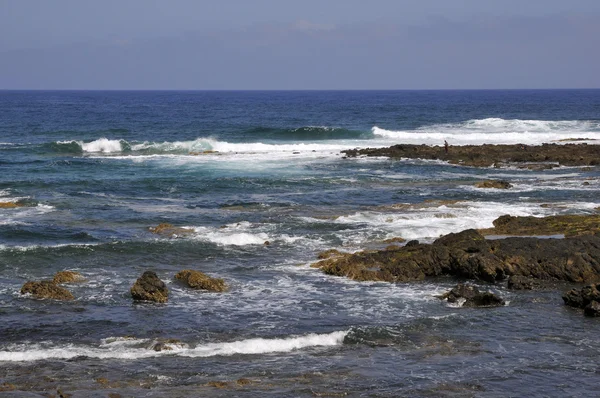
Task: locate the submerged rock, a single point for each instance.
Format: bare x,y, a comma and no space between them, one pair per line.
67,277
149,287
199,280
166,229
166,345
498,184
470,296
10,205
468,254
46,290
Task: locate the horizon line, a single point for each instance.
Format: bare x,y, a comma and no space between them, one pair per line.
289,90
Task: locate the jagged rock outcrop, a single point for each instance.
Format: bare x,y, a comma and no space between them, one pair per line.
468,254
46,290
540,156
470,296
568,225
588,298
198,280
149,287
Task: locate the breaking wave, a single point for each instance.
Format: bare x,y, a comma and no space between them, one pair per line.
497,131
132,349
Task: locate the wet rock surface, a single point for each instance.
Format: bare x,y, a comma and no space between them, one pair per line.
198,280
568,225
588,298
67,277
492,155
519,282
46,290
497,184
149,287
469,255
171,231
470,296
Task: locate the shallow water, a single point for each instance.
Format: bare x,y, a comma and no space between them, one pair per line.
95,170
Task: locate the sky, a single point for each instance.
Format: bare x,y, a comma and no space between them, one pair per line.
299,45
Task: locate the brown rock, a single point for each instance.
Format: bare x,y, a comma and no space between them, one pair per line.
498,184
218,384
9,205
395,240
166,229
518,282
568,225
67,277
329,253
199,280
149,287
46,289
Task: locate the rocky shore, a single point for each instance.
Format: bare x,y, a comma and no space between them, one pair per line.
534,157
526,262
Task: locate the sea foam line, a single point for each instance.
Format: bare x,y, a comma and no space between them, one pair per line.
124,351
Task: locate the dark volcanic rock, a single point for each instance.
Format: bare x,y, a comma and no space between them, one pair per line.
568,225
592,309
518,282
468,254
472,297
492,155
581,298
149,287
46,289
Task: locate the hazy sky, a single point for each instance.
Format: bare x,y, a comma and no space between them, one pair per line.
302,44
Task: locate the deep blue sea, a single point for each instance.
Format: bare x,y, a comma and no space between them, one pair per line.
93,171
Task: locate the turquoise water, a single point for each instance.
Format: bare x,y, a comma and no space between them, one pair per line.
95,170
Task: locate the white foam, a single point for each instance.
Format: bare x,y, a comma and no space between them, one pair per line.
265,346
496,131
430,222
124,348
103,145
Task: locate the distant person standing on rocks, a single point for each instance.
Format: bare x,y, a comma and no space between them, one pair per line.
445,146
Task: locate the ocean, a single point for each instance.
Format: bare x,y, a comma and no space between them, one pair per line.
92,171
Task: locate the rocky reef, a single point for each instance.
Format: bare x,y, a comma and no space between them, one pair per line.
149,287
468,254
567,225
198,280
536,157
